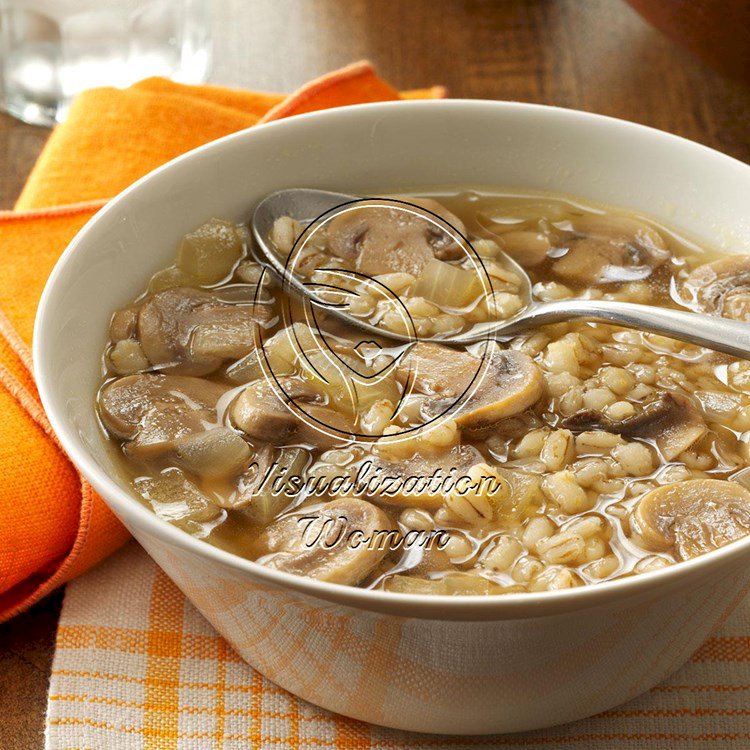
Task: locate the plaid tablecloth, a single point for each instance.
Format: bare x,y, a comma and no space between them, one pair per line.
136,666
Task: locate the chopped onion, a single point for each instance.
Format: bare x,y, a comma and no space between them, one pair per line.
447,285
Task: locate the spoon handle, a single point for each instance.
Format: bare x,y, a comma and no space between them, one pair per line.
728,336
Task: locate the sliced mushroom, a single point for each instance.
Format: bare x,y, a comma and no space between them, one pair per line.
594,260
610,249
176,499
250,368
124,324
443,245
690,518
173,415
722,287
528,248
164,426
389,239
625,229
509,383
262,413
438,370
338,542
719,405
671,421
189,331
162,323
123,403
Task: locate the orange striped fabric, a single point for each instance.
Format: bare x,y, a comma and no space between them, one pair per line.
136,666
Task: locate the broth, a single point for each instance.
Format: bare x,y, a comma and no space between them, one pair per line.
579,452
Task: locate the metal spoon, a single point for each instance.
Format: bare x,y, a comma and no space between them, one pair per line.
306,204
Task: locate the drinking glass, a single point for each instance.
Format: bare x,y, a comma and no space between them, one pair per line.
51,50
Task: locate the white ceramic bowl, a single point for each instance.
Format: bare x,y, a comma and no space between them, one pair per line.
433,664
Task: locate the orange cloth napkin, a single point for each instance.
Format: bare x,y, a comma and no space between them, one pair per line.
52,525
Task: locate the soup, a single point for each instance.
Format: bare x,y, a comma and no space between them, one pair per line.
573,454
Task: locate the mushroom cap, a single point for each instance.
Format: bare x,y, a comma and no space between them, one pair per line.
598,260
335,542
528,248
169,321
164,427
508,383
124,323
165,324
610,249
625,228
261,412
722,287
511,384
444,246
159,413
392,239
693,517
124,403
438,370
671,421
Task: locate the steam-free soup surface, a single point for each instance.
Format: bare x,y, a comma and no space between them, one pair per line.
579,452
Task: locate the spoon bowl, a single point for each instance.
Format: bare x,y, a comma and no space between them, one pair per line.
308,206
313,208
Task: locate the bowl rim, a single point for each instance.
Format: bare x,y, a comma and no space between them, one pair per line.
431,606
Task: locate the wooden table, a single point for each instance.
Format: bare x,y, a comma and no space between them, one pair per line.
594,55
